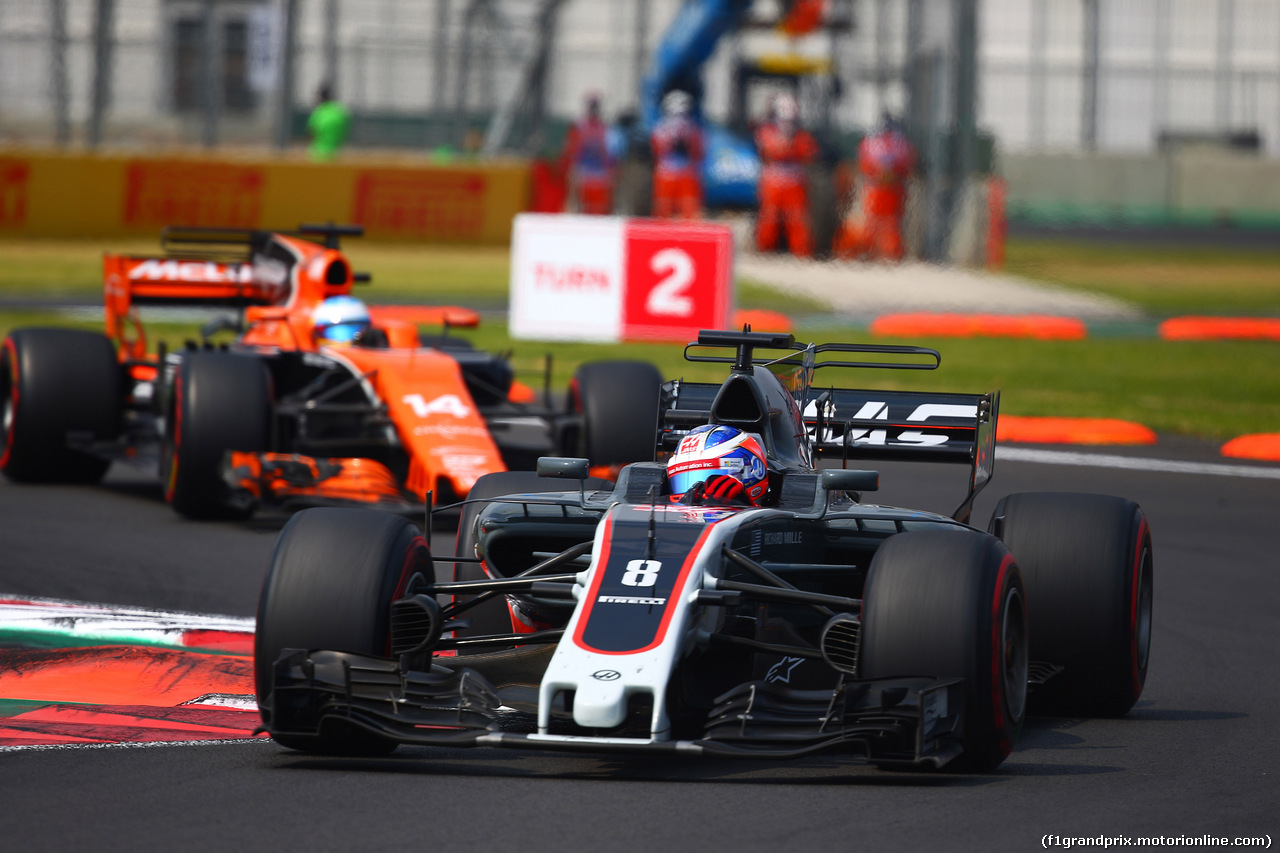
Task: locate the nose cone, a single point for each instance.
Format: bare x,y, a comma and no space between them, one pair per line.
600,704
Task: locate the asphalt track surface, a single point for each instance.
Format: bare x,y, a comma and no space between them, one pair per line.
1197,756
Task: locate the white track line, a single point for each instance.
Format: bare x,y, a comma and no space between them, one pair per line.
1133,463
111,622
147,744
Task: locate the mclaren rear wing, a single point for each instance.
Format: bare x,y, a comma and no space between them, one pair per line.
222,267
226,266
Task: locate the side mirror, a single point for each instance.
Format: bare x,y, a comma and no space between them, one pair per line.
849,480
564,467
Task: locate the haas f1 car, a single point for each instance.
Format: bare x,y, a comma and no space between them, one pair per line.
281,416
612,617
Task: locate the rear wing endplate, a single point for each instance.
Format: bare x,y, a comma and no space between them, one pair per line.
908,426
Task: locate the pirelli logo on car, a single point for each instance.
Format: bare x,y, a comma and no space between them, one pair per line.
631,599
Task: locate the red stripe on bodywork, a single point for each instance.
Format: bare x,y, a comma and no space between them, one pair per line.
669,610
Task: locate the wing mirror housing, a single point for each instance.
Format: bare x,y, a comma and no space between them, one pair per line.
849,480
564,467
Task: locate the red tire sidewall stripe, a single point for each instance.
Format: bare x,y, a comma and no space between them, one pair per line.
414,554
175,429
417,546
1135,674
997,648
13,400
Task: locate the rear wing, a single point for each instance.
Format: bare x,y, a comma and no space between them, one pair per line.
857,425
232,267
223,268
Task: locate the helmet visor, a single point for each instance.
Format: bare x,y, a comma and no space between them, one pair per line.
343,333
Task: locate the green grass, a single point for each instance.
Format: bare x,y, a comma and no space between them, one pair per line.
472,275
1212,390
1163,280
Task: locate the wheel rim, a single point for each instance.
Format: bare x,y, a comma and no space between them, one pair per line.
1145,596
1014,654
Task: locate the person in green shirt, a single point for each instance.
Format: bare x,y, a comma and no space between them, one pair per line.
328,125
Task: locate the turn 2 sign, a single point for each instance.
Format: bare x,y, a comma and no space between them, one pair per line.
592,278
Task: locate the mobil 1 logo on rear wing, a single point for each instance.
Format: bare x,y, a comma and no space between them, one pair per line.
896,423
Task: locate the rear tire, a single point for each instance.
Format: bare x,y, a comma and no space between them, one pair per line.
950,604
55,381
330,584
218,402
1087,563
619,402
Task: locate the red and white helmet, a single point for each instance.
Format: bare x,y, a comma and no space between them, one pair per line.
717,449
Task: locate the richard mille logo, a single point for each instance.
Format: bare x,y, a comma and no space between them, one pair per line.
606,675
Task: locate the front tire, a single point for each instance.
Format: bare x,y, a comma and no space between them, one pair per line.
1087,562
619,402
950,604
218,402
52,382
331,581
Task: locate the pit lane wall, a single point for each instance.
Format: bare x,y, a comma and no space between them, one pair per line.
50,194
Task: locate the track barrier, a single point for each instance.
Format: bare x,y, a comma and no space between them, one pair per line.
1030,430
1036,326
1264,446
53,194
1220,329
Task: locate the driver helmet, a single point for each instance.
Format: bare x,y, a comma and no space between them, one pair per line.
341,321
677,103
717,449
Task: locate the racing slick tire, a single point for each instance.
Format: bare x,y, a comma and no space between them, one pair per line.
494,616
52,382
618,402
1087,563
950,604
218,402
330,584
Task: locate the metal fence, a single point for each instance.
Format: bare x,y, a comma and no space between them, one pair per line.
1131,75
1051,74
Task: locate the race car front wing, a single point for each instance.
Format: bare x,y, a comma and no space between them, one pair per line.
900,721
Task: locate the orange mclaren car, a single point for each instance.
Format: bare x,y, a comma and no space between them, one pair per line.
282,415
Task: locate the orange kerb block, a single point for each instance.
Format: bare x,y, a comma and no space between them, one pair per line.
923,324
1220,329
1029,430
1263,445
